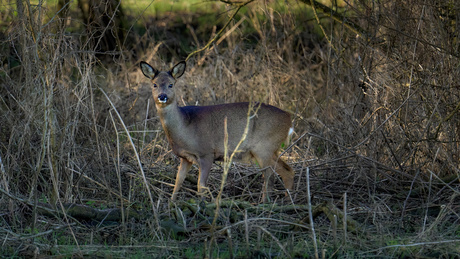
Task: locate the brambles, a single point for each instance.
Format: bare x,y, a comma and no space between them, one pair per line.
376,117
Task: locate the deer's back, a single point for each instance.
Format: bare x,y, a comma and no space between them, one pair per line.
269,126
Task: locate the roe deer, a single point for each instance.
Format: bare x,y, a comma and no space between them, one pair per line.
196,133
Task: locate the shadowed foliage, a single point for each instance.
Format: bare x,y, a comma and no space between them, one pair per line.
372,87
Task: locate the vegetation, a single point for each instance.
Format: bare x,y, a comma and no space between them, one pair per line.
85,168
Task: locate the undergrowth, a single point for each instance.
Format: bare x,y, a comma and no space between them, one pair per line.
376,116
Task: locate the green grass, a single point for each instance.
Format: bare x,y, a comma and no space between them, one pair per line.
317,84
164,6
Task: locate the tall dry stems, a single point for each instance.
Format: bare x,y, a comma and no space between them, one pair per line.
376,106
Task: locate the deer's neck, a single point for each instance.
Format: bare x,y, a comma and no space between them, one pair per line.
170,116
173,122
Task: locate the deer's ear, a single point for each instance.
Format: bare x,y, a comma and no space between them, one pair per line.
178,70
148,70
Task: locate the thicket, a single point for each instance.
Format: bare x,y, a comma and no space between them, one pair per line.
372,86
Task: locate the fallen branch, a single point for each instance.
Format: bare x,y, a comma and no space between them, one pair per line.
84,212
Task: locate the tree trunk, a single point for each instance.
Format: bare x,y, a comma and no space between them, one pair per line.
104,25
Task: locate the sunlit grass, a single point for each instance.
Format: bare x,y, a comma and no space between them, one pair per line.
164,6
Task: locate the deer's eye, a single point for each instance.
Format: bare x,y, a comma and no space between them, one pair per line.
170,86
154,85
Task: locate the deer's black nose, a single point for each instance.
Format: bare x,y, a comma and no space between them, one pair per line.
162,98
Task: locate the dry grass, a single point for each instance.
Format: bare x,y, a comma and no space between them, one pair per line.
376,117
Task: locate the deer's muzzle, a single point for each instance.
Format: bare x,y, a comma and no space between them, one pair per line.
162,98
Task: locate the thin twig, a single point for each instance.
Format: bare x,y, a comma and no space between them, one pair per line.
219,33
414,244
155,213
310,214
344,218
276,240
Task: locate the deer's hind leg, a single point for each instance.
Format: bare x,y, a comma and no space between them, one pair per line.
285,172
272,163
265,161
205,164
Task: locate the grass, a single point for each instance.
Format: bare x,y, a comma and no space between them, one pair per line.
376,119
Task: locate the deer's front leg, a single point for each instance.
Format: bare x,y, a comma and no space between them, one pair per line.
184,167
